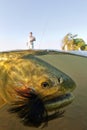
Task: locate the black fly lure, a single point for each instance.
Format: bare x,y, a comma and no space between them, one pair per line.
31,110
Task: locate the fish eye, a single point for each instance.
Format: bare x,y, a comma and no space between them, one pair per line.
45,84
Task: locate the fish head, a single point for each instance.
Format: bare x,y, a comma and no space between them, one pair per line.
50,86
53,85
43,89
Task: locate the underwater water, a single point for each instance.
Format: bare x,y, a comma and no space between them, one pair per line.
75,116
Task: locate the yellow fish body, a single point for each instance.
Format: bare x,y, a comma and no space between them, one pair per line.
34,86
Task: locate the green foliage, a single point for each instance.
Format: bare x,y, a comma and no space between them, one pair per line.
73,43
84,47
79,42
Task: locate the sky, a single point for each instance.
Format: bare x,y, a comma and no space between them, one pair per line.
49,20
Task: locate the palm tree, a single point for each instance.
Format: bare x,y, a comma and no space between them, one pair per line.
70,42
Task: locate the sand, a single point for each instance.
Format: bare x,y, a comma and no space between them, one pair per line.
75,117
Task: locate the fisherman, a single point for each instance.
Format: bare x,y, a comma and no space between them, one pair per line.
31,40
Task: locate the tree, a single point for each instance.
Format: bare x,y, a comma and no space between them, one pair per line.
78,43
71,42
83,48
68,41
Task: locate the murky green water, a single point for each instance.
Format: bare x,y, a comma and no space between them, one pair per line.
75,117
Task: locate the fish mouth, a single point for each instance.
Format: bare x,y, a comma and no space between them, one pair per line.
59,101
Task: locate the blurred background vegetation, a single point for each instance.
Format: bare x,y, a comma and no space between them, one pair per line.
72,42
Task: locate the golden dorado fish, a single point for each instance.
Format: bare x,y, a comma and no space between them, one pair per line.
33,87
